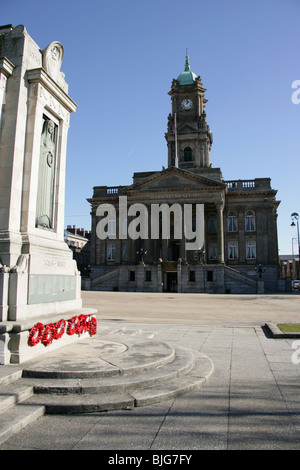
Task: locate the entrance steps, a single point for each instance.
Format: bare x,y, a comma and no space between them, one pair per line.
119,370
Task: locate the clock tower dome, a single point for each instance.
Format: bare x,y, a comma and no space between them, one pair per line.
188,138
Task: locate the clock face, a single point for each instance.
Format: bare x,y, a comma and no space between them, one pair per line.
187,104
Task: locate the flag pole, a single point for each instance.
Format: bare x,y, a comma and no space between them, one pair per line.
176,154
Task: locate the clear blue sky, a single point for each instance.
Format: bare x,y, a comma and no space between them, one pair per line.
120,59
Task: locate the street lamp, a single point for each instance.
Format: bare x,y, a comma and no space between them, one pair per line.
295,216
259,269
142,253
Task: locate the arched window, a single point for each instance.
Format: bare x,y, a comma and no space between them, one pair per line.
232,222
250,221
187,154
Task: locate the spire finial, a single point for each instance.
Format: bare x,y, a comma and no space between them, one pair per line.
187,62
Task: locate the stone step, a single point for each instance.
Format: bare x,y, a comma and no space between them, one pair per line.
105,359
78,403
14,393
101,374
141,396
17,417
188,383
182,364
14,415
10,375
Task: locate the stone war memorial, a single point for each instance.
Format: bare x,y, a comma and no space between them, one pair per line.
40,297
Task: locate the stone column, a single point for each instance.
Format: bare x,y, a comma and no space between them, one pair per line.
129,251
164,249
148,252
140,277
129,244
4,284
6,69
179,278
197,154
170,154
148,243
159,278
220,232
182,241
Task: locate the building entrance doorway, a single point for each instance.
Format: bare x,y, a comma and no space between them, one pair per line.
175,247
171,282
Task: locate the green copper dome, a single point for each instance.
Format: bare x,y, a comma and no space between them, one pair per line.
187,77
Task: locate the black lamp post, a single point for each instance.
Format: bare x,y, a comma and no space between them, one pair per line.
259,269
295,216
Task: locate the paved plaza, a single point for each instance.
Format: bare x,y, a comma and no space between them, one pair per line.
251,401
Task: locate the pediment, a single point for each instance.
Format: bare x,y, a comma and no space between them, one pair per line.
174,178
185,127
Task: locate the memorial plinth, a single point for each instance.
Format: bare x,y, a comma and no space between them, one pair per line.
38,276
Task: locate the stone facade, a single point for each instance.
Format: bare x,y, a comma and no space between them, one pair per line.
78,240
240,250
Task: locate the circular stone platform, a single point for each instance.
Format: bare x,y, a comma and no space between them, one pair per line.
97,357
112,371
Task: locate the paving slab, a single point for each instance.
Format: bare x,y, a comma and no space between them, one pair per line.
251,401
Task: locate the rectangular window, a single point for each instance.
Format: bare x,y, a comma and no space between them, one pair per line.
212,224
111,229
212,251
232,222
210,276
250,250
110,254
192,277
123,227
148,276
131,275
250,221
232,250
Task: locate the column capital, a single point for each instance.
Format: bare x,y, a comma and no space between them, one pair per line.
219,205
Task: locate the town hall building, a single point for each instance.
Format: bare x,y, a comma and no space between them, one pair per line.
238,251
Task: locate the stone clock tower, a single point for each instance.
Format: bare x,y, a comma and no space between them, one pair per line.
189,138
